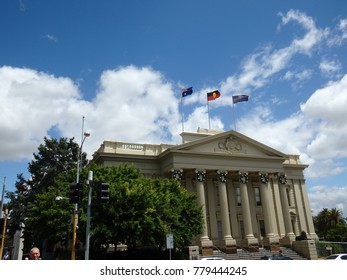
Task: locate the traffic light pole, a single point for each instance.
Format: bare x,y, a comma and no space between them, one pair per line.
74,232
3,233
90,187
2,198
75,216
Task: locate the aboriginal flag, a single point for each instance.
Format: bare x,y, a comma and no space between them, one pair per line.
213,95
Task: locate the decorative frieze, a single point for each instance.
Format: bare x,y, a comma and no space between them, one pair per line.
230,145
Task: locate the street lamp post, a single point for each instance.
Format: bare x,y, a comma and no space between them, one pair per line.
75,218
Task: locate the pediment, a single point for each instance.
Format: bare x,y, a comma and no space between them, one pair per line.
229,143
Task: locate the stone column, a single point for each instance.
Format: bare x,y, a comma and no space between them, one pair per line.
205,242
229,242
249,241
290,236
310,226
270,241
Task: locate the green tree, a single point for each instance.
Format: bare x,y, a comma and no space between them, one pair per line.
322,222
337,234
54,158
328,223
335,216
142,210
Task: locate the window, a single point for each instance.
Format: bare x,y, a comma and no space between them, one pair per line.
238,197
257,196
288,196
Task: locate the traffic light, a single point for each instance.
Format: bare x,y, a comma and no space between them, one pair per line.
103,192
2,221
75,192
64,239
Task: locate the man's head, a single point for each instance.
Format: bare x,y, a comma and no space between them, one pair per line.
35,253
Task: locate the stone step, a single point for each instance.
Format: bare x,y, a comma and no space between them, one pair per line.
245,255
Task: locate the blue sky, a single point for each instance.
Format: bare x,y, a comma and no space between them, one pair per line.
122,64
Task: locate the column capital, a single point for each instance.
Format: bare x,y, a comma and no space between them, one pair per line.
177,174
243,176
222,175
282,178
200,175
264,178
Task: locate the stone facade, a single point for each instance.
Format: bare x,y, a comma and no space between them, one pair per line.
251,195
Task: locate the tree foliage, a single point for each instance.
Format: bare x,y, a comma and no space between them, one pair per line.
54,157
34,197
141,211
330,225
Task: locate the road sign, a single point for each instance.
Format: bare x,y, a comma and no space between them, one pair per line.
169,241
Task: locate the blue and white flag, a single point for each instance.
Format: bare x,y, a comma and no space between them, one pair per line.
187,91
240,98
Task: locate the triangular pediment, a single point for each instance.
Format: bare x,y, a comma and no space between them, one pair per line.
229,143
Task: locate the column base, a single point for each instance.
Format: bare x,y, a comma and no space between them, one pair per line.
206,247
250,244
230,246
271,243
193,252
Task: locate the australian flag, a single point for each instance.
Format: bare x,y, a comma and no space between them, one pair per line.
187,91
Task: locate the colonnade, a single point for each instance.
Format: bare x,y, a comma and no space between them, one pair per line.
274,209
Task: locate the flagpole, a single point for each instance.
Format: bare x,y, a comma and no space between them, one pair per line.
237,99
208,113
182,113
234,116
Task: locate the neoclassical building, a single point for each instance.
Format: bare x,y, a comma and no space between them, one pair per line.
251,194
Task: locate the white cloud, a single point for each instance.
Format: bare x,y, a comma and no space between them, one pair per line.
329,67
339,34
313,35
298,76
258,68
329,105
329,197
135,104
51,37
31,103
132,104
199,118
318,132
343,28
